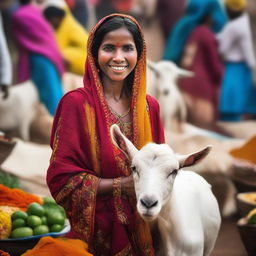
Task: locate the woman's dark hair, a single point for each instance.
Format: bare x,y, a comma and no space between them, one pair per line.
53,11
114,23
23,2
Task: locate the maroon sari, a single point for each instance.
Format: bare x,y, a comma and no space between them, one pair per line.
83,154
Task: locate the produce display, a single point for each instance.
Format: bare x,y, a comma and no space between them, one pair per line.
251,217
38,219
24,215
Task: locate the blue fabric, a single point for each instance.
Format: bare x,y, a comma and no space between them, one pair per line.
47,80
238,95
230,117
195,12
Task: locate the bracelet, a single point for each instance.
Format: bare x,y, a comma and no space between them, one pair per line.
117,187
118,206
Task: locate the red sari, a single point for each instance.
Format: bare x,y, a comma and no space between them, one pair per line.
83,154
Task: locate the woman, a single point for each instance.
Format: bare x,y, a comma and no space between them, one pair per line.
181,31
238,94
88,176
70,35
39,55
197,51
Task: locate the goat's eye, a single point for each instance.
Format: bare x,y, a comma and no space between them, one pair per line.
133,168
173,173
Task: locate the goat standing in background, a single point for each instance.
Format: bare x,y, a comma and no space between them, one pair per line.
179,202
162,80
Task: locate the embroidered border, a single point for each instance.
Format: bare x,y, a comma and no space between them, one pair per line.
119,210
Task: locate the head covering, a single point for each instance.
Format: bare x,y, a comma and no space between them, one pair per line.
141,122
34,35
195,12
236,5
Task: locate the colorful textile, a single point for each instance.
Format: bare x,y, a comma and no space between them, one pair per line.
238,95
49,246
236,5
71,38
206,65
34,35
83,154
46,78
196,11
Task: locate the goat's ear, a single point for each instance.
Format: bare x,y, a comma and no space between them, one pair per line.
182,73
194,158
122,142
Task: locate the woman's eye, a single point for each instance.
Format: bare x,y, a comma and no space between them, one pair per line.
107,48
128,48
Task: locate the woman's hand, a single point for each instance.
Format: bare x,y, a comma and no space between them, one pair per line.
127,186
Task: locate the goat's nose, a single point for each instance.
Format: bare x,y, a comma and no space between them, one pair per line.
165,92
148,202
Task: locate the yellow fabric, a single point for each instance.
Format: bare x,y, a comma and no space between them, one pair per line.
48,246
72,39
236,5
247,151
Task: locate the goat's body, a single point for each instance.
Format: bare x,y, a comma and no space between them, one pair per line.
189,222
18,110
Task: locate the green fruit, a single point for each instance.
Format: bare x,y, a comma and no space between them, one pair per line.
17,223
41,229
252,220
44,220
34,221
55,218
36,209
56,228
48,199
22,232
19,215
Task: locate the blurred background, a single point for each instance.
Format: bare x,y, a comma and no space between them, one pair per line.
201,69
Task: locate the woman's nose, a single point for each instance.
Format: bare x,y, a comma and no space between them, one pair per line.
118,56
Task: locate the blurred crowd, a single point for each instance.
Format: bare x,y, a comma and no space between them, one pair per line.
41,40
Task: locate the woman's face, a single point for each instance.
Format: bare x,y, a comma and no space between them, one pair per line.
117,55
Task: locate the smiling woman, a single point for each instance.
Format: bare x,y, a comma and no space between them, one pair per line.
88,175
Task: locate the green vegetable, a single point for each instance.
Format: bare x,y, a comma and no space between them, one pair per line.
9,180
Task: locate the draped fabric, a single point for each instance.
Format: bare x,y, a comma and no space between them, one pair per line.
34,35
196,11
83,154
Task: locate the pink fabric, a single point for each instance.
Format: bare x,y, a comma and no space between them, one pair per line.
34,35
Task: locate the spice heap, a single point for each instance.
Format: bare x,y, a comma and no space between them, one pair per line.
17,198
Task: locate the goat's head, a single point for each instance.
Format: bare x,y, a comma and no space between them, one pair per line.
154,169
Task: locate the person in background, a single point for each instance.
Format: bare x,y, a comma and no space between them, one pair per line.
39,56
71,36
181,31
238,95
5,59
201,91
88,175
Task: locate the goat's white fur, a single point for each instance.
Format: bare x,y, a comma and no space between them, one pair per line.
19,109
183,205
162,80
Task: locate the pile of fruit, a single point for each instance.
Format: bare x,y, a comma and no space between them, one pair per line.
38,219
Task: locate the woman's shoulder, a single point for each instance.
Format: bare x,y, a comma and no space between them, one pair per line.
75,97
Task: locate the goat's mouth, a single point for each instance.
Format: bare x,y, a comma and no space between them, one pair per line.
147,216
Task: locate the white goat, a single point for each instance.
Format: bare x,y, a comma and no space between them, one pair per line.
19,109
180,202
162,79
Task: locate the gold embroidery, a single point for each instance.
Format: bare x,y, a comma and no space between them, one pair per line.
55,142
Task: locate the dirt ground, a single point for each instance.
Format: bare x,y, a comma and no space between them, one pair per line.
229,242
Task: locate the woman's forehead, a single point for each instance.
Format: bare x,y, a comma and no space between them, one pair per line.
118,36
